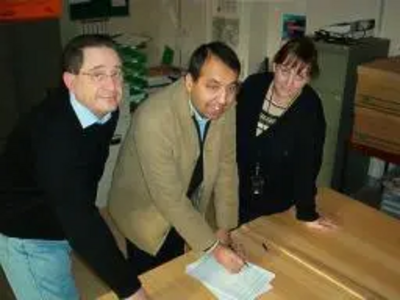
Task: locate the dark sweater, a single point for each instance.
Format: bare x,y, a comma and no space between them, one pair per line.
49,173
289,152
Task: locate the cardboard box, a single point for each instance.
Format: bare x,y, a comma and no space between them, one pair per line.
377,105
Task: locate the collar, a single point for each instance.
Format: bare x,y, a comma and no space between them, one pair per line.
199,118
85,116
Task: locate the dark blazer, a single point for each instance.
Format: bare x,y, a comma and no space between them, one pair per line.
48,182
289,152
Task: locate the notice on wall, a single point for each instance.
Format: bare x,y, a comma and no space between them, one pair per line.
293,26
15,10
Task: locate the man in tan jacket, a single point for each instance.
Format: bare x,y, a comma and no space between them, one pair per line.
178,163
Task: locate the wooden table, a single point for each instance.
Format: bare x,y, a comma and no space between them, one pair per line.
359,261
363,255
169,281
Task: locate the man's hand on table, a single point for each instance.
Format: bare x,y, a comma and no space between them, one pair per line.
228,258
323,224
224,236
139,295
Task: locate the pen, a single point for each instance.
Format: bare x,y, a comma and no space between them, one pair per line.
245,263
234,249
265,247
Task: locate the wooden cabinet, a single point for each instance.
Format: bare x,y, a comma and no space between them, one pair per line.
377,105
336,87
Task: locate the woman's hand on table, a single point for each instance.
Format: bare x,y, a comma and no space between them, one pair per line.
322,224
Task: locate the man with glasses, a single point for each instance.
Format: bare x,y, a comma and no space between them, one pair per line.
177,165
49,174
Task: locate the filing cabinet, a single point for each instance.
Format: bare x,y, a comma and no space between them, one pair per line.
336,86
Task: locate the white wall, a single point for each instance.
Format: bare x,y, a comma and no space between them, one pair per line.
68,28
391,25
325,12
184,27
274,26
320,13
158,19
151,18
259,23
180,25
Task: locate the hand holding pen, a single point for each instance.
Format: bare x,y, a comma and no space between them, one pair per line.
228,253
228,258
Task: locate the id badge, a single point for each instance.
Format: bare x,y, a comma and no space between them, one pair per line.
257,182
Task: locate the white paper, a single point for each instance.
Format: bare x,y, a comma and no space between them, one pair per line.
248,284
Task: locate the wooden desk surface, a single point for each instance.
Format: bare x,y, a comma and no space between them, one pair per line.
293,281
364,253
359,261
169,281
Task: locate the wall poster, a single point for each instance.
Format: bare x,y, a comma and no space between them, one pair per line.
15,10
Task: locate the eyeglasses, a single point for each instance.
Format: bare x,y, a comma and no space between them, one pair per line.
99,77
287,72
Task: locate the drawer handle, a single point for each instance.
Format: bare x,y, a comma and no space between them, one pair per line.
361,137
366,99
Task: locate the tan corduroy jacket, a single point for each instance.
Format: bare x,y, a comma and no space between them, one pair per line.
154,168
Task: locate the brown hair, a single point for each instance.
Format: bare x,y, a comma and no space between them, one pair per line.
299,52
219,50
72,58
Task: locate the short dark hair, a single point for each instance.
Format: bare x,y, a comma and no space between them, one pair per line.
302,50
218,49
72,58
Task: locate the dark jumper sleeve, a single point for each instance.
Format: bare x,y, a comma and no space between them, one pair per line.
71,193
308,162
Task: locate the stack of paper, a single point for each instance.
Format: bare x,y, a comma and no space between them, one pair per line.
248,284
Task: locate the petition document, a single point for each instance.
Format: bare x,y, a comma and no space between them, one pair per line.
248,284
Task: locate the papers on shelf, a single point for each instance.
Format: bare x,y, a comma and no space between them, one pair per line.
157,81
248,284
